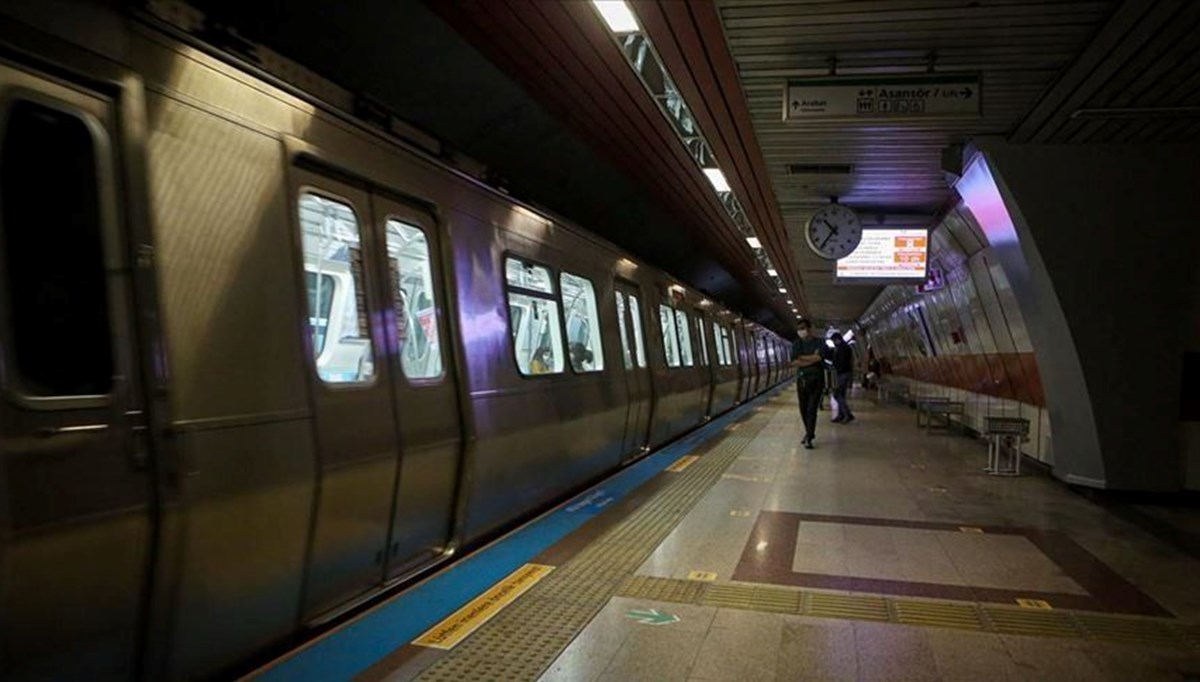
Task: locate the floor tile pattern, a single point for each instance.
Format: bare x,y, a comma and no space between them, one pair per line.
882,467
524,639
963,616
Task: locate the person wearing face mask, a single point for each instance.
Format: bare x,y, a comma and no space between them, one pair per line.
808,357
843,372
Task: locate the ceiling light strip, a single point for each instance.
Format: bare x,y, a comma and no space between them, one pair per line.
642,58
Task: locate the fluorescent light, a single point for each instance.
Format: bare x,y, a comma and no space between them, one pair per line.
789,301
753,242
782,290
717,178
772,272
617,15
829,342
848,335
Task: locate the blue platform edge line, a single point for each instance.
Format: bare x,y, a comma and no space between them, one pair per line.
358,645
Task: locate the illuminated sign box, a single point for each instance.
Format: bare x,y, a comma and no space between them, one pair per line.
887,256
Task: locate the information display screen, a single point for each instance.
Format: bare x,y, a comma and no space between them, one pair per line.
887,255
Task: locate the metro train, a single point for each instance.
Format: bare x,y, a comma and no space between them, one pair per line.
263,361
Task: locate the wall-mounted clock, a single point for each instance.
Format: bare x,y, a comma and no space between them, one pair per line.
833,232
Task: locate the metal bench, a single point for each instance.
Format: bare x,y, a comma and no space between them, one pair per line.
938,414
1005,435
924,403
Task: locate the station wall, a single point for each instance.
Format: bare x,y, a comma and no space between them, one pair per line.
966,340
1094,246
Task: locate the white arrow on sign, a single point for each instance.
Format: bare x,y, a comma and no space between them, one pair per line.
652,617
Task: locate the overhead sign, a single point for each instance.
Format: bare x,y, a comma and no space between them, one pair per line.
895,97
887,254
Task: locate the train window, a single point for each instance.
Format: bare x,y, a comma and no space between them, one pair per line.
685,338
583,323
54,253
635,315
533,315
518,273
415,300
337,304
626,352
670,337
722,349
320,304
730,348
703,340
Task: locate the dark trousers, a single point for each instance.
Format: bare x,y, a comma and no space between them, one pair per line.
809,389
840,386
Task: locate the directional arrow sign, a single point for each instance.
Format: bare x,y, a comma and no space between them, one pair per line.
903,96
652,617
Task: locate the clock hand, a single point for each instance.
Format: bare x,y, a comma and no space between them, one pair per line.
826,240
835,230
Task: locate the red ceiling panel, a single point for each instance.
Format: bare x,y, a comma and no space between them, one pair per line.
691,43
566,57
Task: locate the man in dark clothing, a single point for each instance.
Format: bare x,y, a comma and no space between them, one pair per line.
843,372
808,357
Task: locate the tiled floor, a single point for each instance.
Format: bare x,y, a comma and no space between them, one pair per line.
935,556
882,468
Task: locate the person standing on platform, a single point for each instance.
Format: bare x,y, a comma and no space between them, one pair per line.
843,373
808,357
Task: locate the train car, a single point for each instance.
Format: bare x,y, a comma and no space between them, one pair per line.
725,368
264,362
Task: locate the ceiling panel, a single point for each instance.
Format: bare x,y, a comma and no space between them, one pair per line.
1019,48
1144,63
563,53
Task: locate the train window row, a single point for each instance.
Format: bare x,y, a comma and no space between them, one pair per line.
551,321
533,315
338,317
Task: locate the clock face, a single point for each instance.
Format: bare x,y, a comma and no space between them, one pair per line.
833,232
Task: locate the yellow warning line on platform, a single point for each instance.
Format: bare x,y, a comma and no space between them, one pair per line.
460,624
682,463
1033,617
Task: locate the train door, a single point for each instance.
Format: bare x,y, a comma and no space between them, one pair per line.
351,392
637,371
772,360
75,505
427,411
707,370
738,342
752,360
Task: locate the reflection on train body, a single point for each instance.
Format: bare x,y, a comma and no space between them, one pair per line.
334,363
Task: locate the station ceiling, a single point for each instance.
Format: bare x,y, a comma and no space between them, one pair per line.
541,92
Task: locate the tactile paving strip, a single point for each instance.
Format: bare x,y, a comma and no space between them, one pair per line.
524,639
1011,620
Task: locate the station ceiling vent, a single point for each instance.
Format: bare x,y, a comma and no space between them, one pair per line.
820,168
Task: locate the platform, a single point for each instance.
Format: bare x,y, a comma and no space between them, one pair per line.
738,555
